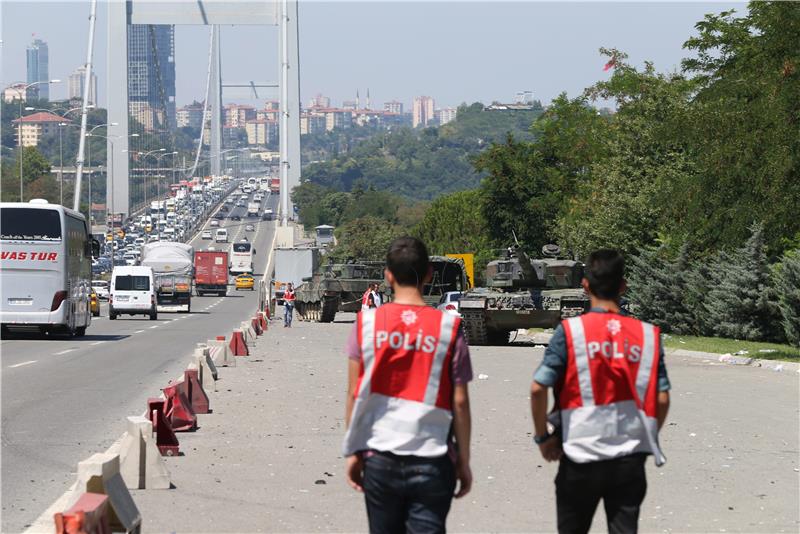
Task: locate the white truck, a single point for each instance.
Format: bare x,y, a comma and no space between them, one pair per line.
253,208
173,267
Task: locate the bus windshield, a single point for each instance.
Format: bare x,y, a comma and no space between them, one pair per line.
241,247
132,283
30,224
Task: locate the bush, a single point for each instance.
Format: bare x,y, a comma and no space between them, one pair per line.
787,292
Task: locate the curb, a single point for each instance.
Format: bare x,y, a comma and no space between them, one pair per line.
772,365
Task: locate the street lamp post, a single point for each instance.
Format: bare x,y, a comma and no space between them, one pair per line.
158,160
144,159
22,91
112,181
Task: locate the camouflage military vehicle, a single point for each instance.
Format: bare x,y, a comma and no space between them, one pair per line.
336,287
522,293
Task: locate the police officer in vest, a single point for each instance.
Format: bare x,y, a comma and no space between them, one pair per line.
611,397
408,418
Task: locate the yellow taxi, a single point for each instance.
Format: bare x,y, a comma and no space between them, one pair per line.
95,304
245,281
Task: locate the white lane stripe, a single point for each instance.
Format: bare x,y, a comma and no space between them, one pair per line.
63,352
97,343
21,364
154,326
138,331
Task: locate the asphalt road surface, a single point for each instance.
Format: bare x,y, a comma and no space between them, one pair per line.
269,458
65,399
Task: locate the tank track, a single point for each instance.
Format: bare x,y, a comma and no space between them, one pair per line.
328,310
474,326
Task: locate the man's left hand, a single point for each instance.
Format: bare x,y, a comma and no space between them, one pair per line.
551,449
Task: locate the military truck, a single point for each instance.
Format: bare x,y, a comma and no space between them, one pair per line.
523,293
336,287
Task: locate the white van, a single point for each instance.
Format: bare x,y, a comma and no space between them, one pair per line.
132,291
221,236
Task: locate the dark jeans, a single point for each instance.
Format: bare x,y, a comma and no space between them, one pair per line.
408,493
620,482
288,313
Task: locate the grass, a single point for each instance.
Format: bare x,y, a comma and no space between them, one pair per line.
720,345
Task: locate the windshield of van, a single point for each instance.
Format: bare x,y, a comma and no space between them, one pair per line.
132,283
30,224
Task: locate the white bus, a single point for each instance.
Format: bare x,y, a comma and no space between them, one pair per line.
241,258
45,268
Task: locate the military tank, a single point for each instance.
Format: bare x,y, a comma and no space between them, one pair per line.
523,293
335,287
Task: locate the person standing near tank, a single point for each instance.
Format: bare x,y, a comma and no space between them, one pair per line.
288,305
611,398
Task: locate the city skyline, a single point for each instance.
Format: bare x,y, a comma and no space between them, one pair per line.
515,50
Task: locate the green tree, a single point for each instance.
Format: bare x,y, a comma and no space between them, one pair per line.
787,291
35,168
743,125
454,224
739,305
367,238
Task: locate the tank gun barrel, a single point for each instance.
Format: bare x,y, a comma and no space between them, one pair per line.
525,264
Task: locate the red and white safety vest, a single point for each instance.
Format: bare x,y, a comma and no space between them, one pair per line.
403,401
608,395
365,299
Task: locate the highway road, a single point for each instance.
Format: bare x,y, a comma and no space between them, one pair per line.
65,399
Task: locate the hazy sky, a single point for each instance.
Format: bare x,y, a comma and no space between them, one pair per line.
454,51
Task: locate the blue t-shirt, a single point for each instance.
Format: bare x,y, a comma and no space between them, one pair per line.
554,364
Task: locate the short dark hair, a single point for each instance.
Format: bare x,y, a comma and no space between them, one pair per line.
605,272
407,260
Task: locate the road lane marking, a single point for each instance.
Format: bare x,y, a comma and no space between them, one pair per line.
97,342
63,352
154,326
21,364
138,331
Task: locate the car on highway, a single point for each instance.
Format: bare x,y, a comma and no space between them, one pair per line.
101,288
214,223
221,236
236,218
249,228
245,281
132,292
267,215
94,304
206,234
219,215
449,303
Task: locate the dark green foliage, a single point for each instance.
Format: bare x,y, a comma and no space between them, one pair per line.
421,164
367,238
658,289
739,306
787,292
453,224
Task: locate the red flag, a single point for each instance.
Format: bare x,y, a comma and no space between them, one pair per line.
611,64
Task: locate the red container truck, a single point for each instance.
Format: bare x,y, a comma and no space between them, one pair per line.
211,272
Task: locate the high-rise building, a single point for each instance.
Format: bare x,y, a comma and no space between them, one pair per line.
422,112
151,74
76,85
445,115
38,69
393,107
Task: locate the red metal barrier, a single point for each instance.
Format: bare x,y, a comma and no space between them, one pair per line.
256,326
87,516
166,441
262,321
194,391
178,409
238,346
220,338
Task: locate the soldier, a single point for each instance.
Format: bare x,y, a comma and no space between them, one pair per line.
611,399
407,398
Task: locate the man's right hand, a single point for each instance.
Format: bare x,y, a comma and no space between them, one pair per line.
355,472
551,449
464,477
